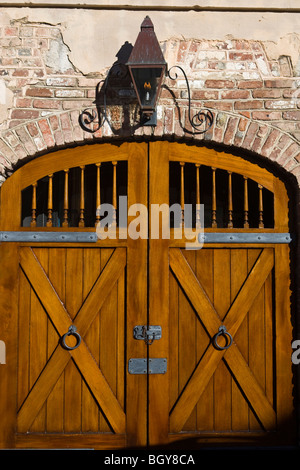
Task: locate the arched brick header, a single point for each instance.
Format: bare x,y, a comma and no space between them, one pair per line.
255,100
33,138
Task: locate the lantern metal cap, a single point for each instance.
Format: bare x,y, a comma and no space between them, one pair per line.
146,50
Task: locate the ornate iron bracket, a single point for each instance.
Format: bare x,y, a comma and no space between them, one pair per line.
204,117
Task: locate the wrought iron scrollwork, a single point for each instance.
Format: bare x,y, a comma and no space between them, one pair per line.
202,121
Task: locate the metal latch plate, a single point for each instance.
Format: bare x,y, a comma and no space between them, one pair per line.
151,332
150,366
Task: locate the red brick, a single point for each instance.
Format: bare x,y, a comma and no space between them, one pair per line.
46,131
219,84
250,135
32,129
254,104
24,114
230,130
269,143
243,124
39,92
20,73
269,93
249,84
291,115
11,31
235,95
279,83
220,105
240,56
23,103
266,115
46,104
204,95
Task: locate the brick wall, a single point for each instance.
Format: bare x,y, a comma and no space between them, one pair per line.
255,101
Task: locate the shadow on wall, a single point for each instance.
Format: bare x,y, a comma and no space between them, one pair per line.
116,103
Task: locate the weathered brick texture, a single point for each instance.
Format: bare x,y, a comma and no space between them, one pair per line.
255,101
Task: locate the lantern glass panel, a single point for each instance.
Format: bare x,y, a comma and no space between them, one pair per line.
147,81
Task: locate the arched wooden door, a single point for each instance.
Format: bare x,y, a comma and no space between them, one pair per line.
113,389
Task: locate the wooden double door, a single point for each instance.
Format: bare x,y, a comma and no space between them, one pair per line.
192,385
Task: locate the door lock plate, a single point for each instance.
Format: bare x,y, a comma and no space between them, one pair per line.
150,366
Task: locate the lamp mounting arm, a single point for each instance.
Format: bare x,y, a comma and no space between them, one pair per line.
204,117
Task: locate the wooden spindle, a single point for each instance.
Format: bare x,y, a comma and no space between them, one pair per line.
246,204
33,206
114,199
230,208
182,193
214,200
98,197
66,199
50,201
260,208
198,221
82,206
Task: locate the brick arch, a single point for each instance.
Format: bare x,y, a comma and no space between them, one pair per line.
36,137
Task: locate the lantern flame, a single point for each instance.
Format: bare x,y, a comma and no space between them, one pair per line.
147,86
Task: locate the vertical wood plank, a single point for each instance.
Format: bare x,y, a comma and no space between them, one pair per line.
284,402
91,270
187,341
159,296
137,299
256,338
222,377
9,324
55,401
205,406
74,282
239,272
38,341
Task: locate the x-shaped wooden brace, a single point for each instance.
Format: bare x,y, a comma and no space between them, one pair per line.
232,356
82,356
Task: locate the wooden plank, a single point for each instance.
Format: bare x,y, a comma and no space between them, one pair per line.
9,326
284,377
222,378
158,407
55,401
187,349
38,343
257,359
205,406
239,272
91,270
137,299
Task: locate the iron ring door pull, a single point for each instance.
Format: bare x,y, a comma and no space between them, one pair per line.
223,332
72,331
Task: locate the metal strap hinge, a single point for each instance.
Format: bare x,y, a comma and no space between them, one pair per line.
147,366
